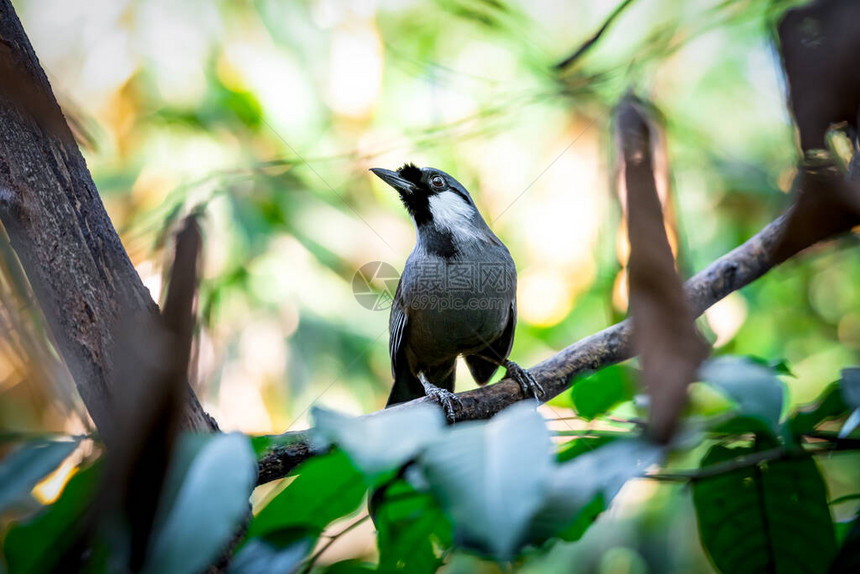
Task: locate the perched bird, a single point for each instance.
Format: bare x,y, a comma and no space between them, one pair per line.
456,296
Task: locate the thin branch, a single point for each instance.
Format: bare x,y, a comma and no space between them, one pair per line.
594,38
723,467
312,560
747,461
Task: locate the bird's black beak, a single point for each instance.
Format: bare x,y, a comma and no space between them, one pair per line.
393,179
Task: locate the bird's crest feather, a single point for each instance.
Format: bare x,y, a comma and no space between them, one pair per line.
410,172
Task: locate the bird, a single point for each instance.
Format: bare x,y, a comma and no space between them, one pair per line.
456,295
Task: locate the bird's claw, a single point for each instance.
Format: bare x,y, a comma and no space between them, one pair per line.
528,383
446,400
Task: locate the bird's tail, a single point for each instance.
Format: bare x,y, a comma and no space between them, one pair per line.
406,387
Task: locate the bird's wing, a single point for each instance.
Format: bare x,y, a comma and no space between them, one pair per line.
396,330
484,362
506,341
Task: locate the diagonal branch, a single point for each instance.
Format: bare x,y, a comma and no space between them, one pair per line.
729,273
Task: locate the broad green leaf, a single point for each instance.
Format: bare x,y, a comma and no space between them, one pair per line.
595,476
411,529
596,394
584,519
707,401
185,451
770,517
490,477
755,388
23,468
272,554
828,405
326,488
383,441
779,366
848,559
35,545
209,506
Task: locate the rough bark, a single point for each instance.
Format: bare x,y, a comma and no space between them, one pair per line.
79,271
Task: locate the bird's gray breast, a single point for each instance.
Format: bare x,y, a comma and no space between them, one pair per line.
459,304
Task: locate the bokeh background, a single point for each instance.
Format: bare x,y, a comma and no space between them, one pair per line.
267,114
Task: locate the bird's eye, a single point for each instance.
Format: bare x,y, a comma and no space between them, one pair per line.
437,181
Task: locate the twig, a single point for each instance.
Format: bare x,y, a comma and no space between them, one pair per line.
746,461
594,38
312,560
716,469
592,433
845,498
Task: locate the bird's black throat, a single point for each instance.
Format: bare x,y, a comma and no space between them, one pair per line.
437,242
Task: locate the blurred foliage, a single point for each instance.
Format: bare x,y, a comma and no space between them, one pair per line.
265,116
490,492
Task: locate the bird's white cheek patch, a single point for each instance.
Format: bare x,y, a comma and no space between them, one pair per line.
450,212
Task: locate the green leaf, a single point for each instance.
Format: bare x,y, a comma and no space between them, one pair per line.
351,566
584,519
574,448
410,528
578,490
848,559
34,546
490,476
755,388
326,488
383,441
828,405
779,366
23,468
281,552
772,517
208,508
598,393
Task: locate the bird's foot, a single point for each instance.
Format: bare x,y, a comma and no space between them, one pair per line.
528,383
446,399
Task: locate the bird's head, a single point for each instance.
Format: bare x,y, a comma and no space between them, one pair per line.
432,196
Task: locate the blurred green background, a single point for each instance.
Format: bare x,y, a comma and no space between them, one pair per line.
267,115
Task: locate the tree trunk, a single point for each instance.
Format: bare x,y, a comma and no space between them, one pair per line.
79,271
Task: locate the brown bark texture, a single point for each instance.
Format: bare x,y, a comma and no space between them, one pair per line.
79,271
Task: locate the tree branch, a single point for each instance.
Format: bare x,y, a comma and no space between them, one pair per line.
729,273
